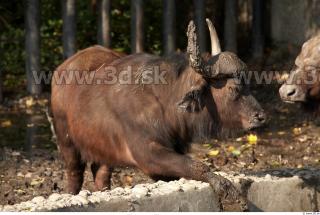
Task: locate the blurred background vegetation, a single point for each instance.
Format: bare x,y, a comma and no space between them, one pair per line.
266,34
12,39
277,16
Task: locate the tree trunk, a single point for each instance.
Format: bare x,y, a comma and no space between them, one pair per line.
32,45
230,25
137,27
1,87
200,23
169,26
104,31
69,27
257,29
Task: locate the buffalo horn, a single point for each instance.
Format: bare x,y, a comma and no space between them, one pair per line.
215,44
193,51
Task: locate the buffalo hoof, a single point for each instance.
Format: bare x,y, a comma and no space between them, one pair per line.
230,197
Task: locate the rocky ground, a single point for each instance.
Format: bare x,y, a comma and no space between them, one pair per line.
30,164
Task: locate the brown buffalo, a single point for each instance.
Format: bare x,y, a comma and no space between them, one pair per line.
303,84
135,121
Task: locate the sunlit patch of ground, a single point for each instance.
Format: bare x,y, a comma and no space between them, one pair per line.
291,139
31,166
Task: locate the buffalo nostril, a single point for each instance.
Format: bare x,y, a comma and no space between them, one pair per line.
291,92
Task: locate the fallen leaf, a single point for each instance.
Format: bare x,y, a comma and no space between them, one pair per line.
281,133
275,163
6,124
37,181
247,146
296,131
19,174
213,152
20,191
239,139
236,152
30,102
252,139
231,148
30,125
14,153
302,139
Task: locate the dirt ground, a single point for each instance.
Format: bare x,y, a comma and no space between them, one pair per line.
30,164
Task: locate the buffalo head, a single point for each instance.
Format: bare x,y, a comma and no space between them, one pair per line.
236,106
303,83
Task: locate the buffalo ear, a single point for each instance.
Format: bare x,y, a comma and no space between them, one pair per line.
192,102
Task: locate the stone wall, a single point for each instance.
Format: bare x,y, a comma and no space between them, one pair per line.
274,191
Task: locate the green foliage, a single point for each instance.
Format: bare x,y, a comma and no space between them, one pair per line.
12,56
12,45
120,25
153,23
51,34
86,25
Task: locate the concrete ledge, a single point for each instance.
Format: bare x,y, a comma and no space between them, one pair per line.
174,196
268,191
286,190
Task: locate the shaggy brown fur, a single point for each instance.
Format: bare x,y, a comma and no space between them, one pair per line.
139,124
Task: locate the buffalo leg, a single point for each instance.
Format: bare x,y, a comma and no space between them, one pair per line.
74,165
102,176
74,168
161,161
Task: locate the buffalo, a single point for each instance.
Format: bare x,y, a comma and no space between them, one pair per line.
303,83
144,110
